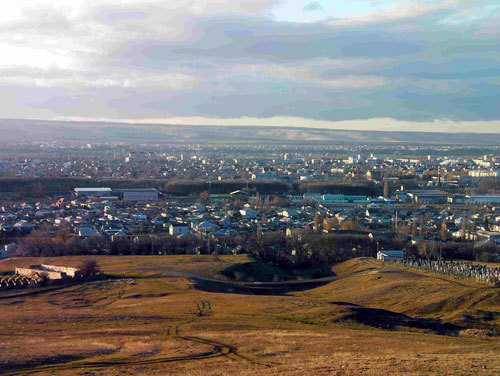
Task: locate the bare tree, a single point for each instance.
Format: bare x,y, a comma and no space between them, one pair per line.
89,268
444,232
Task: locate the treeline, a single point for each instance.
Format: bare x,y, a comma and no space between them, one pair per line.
39,187
487,187
308,249
187,187
44,243
303,249
22,188
361,188
452,251
275,187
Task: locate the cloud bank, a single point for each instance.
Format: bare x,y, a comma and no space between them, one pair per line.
410,65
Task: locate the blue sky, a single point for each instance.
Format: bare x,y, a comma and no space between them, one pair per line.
419,65
297,10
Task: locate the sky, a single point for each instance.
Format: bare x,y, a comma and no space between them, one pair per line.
426,65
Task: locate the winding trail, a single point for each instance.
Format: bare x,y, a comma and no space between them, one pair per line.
215,349
219,349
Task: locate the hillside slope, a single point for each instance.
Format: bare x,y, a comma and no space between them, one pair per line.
149,318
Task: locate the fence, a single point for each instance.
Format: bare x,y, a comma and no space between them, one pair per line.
460,269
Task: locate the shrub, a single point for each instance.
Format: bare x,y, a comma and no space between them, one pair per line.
89,268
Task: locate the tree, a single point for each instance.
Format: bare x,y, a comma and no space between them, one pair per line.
422,249
258,201
329,223
463,229
386,188
486,224
37,244
204,196
473,232
89,268
259,234
444,232
318,222
63,234
277,200
97,243
120,246
348,225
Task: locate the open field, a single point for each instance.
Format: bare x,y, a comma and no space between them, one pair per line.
159,315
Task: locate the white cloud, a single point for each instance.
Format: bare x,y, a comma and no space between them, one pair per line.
205,60
312,72
82,80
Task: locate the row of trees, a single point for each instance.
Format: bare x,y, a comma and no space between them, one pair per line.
307,248
302,248
43,243
452,251
187,187
361,188
39,187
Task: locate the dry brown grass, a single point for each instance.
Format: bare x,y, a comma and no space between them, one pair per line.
146,323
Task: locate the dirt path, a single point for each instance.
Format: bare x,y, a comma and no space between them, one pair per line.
218,349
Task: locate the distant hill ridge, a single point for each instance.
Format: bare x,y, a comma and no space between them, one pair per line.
44,130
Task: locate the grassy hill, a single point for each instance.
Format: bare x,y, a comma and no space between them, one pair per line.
150,318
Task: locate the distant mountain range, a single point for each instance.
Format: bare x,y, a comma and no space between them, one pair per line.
43,130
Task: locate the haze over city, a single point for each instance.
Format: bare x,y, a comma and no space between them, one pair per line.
427,65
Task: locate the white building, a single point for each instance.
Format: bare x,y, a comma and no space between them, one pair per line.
265,176
148,194
482,199
289,213
248,213
391,255
93,192
484,173
177,229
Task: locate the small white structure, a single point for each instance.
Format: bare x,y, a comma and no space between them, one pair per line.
198,207
23,226
206,227
8,250
93,192
391,255
248,213
51,271
177,229
290,213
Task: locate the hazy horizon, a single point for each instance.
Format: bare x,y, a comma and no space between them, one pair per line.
390,125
